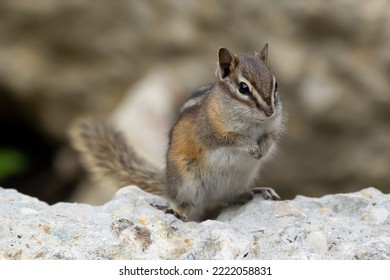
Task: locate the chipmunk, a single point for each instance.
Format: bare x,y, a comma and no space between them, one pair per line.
224,133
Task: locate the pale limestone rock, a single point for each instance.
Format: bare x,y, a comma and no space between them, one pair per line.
340,226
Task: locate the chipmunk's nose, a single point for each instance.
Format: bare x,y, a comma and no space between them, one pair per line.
269,111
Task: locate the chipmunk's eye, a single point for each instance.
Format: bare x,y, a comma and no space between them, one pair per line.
243,88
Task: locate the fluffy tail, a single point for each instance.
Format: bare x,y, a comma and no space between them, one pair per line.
107,156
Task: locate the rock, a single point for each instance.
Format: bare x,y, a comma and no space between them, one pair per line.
340,226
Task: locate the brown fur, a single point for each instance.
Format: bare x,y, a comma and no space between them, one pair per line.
215,118
186,152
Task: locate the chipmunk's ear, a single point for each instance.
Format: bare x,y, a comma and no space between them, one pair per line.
263,55
227,62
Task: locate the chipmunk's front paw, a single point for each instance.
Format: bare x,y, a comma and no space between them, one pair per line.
255,152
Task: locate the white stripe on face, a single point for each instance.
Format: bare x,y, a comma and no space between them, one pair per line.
254,92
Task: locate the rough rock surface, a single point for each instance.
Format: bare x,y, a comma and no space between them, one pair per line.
341,226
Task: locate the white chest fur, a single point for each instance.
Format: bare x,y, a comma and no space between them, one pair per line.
230,171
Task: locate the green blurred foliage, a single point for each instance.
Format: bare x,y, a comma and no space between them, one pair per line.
12,162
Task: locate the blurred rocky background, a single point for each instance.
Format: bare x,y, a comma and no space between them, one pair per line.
135,61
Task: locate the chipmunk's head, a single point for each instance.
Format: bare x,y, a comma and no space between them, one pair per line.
248,80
